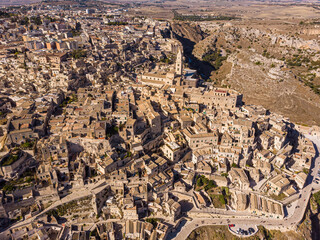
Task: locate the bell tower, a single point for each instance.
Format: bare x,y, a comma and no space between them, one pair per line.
179,63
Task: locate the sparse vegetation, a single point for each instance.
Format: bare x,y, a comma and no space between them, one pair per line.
117,23
4,14
204,183
78,53
214,58
306,170
197,18
217,200
28,144
68,100
317,197
153,221
112,131
74,207
280,197
12,158
234,165
25,180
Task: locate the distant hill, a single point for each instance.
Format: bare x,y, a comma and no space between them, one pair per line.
17,2
187,2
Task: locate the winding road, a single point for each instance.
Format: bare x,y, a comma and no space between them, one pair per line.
224,217
287,222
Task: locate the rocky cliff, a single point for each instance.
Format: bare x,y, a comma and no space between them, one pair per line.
270,66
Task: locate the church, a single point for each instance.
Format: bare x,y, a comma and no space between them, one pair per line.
175,76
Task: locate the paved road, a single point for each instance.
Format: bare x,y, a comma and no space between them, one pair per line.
78,194
286,222
224,219
292,198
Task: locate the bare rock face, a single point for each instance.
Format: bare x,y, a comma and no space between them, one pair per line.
188,31
315,226
263,79
189,35
269,83
202,46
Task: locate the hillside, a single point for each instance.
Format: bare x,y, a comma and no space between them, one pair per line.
276,66
17,2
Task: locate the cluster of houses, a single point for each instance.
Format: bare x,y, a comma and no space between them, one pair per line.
111,124
78,49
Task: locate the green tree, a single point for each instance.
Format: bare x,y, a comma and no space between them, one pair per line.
317,197
204,180
234,165
78,53
211,184
78,26
221,199
153,221
25,21
199,182
36,20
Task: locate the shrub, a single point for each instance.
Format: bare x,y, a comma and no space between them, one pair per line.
79,53
199,182
221,199
153,221
317,197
